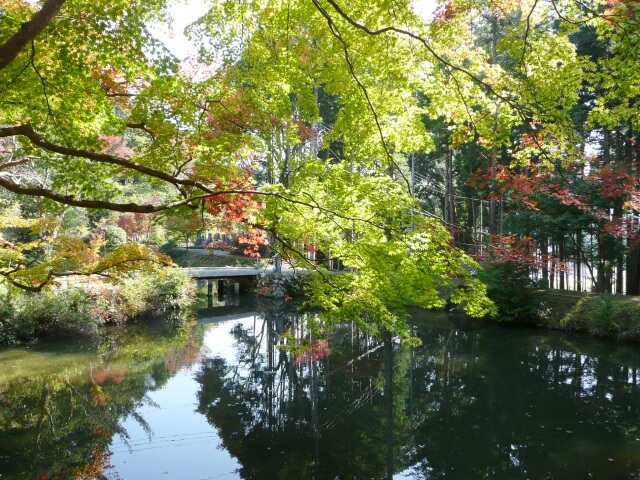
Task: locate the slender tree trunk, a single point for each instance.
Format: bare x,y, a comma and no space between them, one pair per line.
561,256
633,271
579,261
606,145
552,272
545,262
450,205
601,280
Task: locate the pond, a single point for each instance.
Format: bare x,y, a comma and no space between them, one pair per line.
224,400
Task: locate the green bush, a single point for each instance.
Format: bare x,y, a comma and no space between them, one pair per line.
8,329
145,293
53,314
511,289
114,236
600,316
134,295
73,311
175,290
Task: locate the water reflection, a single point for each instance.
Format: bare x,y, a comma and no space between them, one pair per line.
63,402
280,394
489,403
286,414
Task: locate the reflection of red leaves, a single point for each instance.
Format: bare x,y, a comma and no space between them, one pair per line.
101,375
313,352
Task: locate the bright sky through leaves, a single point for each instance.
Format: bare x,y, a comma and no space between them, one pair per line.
184,13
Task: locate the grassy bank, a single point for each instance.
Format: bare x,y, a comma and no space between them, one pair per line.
610,316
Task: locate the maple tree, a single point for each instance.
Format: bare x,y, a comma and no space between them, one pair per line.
320,99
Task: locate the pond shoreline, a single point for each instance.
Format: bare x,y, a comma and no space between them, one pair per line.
614,317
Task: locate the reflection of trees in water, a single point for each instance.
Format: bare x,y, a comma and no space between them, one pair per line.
59,425
336,416
495,404
488,408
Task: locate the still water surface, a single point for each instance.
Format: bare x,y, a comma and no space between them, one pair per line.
223,400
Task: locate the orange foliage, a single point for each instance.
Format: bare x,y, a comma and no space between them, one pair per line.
239,208
115,375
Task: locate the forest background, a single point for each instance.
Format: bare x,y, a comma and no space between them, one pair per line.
492,143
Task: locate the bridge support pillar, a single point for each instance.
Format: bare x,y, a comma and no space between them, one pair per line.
220,290
209,293
236,288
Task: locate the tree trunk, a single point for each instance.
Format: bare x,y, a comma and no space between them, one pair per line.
545,263
578,261
561,256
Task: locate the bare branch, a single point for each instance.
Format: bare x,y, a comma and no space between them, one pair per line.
142,126
14,163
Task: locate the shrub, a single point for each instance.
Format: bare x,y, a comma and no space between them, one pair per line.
8,329
114,236
512,291
134,294
175,290
219,245
612,316
73,311
51,314
147,293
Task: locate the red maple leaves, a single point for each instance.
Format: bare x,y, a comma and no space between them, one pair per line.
235,209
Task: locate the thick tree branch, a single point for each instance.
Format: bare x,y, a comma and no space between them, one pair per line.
35,138
86,203
28,31
35,288
14,163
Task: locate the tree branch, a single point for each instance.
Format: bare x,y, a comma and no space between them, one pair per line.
28,31
86,203
142,126
14,163
35,138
